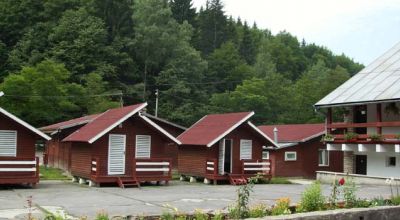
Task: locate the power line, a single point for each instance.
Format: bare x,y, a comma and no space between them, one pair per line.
63,96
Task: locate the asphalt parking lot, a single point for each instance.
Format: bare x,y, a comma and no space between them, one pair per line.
81,200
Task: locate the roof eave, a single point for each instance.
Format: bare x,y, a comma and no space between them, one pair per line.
153,124
26,125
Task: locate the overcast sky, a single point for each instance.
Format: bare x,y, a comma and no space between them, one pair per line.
362,29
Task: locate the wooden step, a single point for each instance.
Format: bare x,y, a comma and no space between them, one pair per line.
124,182
237,180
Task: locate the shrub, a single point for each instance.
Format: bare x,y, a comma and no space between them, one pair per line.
379,201
218,216
258,211
349,193
233,212
312,198
395,200
281,207
362,203
102,216
167,216
199,215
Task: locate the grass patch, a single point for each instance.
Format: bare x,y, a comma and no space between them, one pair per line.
51,173
279,180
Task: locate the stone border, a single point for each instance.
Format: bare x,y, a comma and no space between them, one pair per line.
329,177
381,213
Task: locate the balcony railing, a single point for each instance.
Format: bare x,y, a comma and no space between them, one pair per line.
254,167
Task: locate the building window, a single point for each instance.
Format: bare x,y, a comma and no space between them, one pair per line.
246,149
265,155
8,143
323,157
290,156
391,161
143,146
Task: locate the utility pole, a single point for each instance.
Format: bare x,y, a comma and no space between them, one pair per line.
156,113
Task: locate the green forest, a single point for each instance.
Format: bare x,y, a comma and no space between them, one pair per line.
61,59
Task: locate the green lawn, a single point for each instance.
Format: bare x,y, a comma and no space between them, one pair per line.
50,173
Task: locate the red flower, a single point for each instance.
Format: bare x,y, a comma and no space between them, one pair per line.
341,181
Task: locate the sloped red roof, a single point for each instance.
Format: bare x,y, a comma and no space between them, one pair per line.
211,127
104,123
294,132
70,123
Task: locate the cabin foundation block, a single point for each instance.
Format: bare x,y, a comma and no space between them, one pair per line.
82,181
207,181
75,179
93,184
192,179
182,178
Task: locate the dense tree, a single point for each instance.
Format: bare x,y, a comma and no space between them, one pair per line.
42,94
201,62
183,10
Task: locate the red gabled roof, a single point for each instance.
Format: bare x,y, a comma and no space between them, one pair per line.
70,123
213,127
104,123
294,132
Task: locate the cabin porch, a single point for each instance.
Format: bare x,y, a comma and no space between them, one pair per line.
248,168
19,171
142,170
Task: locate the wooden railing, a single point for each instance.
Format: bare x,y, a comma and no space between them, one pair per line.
212,167
365,125
154,167
94,171
19,168
253,167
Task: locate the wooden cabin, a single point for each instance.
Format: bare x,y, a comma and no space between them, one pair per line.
58,152
223,147
301,152
121,146
18,164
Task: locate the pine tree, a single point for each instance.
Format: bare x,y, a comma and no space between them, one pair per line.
247,46
182,10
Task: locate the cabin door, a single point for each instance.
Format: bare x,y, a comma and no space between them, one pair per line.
116,154
361,164
225,156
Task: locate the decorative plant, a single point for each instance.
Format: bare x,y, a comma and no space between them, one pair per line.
258,211
241,209
281,207
328,137
312,198
397,136
102,215
350,136
218,215
200,215
349,193
376,137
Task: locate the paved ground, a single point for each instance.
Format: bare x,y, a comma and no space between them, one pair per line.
78,200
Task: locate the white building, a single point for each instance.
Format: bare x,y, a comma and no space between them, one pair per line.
368,105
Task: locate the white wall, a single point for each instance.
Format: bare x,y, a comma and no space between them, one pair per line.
376,164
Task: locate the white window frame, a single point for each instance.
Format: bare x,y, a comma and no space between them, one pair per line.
325,154
14,154
266,153
242,141
136,147
290,152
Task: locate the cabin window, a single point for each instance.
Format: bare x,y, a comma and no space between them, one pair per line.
290,156
323,157
391,161
8,143
265,155
143,146
246,149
